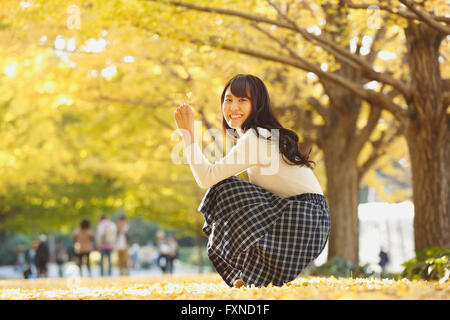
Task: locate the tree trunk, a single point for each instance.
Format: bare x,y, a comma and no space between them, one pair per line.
343,199
430,189
337,143
427,136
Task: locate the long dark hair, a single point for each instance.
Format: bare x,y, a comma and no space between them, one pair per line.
85,224
263,115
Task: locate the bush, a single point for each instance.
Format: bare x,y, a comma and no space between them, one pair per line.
145,265
8,243
429,264
189,256
339,267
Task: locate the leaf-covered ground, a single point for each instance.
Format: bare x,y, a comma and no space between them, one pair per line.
211,286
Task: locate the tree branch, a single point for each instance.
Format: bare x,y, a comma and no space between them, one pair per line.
380,147
327,44
209,126
425,17
139,102
303,122
446,84
315,103
364,134
445,100
162,122
381,32
344,55
284,45
371,96
397,11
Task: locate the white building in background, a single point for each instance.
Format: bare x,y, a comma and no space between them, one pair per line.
389,226
383,225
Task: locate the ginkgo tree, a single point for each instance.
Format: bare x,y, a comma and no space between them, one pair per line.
420,110
93,120
106,93
337,107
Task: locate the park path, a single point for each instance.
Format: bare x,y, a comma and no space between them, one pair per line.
8,272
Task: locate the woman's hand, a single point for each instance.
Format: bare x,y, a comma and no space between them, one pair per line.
184,118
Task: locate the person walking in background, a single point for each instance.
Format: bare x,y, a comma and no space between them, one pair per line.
30,266
60,257
123,239
106,239
134,255
32,256
82,239
384,259
150,254
173,253
20,260
163,250
42,257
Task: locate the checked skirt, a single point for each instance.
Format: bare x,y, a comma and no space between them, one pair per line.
260,237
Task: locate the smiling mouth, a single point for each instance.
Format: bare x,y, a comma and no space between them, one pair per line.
236,116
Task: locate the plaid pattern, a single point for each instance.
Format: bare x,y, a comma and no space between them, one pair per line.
260,237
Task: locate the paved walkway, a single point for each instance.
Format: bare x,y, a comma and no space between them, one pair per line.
8,272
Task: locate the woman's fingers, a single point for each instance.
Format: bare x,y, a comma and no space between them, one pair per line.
184,110
184,116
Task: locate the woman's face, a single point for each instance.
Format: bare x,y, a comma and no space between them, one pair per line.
235,109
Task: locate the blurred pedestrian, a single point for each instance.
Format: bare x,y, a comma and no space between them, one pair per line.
122,244
42,257
134,255
20,260
106,239
384,259
60,257
150,255
173,253
82,239
163,251
30,266
32,255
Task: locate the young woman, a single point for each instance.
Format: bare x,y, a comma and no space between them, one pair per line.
268,229
82,239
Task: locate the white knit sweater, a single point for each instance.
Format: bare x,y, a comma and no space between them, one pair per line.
262,160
